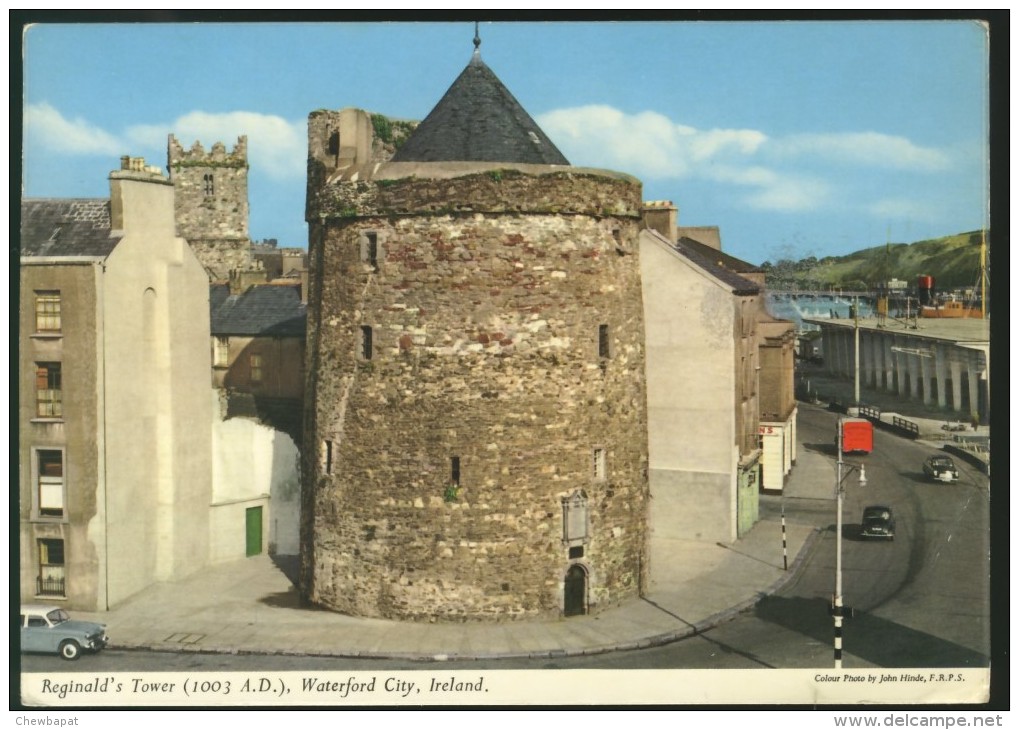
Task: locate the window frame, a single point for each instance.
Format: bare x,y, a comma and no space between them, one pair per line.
45,299
50,570
371,249
220,351
604,346
367,343
49,400
39,480
599,463
255,368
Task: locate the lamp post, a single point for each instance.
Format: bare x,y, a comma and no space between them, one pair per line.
839,498
856,352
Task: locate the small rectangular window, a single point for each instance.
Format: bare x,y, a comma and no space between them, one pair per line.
50,469
221,352
256,369
329,456
576,552
366,342
599,464
454,469
372,250
47,311
603,341
48,393
51,567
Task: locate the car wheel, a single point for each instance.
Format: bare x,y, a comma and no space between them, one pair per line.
70,650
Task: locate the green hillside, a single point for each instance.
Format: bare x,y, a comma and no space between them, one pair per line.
953,261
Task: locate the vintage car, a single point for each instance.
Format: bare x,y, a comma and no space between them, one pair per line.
941,468
48,629
878,522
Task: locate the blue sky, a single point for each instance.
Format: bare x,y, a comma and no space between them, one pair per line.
795,138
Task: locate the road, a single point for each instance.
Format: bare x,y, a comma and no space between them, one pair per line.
921,600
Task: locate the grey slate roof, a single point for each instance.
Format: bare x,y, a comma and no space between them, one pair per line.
57,227
739,285
479,120
736,283
723,259
268,310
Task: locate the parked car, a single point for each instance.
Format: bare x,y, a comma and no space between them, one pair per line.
878,522
49,629
941,468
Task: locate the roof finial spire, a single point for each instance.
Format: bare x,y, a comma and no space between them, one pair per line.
477,40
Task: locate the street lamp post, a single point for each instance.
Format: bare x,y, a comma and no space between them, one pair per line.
838,608
856,352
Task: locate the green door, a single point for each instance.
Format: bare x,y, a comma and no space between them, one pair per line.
253,530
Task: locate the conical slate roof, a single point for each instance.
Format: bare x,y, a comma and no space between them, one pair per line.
479,120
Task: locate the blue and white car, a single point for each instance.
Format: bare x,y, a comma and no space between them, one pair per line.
50,630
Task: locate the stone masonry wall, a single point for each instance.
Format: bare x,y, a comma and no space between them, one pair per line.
485,347
211,202
220,256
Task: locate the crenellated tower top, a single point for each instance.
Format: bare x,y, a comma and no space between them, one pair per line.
211,202
218,156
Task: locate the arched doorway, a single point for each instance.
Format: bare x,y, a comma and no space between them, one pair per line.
575,591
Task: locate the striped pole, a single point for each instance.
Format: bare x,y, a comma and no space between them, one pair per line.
838,549
838,632
785,553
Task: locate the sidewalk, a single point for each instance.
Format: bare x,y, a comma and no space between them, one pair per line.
250,606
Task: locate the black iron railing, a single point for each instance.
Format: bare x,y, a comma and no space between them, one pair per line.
50,586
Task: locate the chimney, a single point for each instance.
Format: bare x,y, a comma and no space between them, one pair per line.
661,216
141,199
243,279
708,235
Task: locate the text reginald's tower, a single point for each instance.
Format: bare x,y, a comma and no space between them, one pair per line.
476,420
211,203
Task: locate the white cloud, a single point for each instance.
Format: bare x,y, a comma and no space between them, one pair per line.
864,149
901,208
647,144
798,172
276,147
652,146
47,127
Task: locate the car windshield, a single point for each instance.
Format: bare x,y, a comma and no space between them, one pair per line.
876,515
942,461
58,616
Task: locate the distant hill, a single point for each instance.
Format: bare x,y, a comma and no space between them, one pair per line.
953,261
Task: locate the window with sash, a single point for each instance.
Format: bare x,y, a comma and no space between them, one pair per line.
51,581
50,482
47,311
48,395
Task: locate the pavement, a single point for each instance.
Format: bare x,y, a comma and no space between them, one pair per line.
251,606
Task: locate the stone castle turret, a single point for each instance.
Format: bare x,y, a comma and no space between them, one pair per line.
211,202
476,420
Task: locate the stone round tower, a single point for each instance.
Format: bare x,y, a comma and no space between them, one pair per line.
476,421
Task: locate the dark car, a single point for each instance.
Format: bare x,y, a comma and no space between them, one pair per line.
878,522
49,629
941,468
